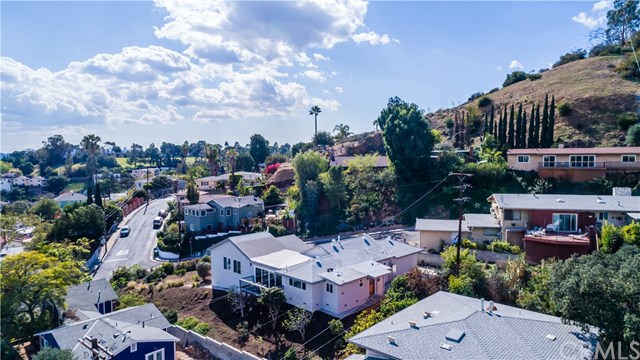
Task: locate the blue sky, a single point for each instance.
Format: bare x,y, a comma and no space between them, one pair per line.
147,72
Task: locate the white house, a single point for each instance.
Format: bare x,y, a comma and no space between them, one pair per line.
336,278
36,181
142,173
5,184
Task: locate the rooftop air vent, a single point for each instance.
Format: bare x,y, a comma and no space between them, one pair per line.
600,201
446,346
455,335
426,315
412,324
319,264
335,248
551,337
560,200
391,340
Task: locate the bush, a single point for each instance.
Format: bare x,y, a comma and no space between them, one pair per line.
177,283
610,239
130,300
449,123
633,136
503,246
188,323
461,285
243,331
171,315
484,101
181,272
564,109
202,328
514,77
631,234
203,269
571,57
534,77
155,276
206,259
475,96
120,277
625,121
189,265
605,50
167,268
469,244
493,90
277,230
628,67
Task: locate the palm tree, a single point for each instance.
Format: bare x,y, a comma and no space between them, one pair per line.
315,110
211,153
232,155
91,143
342,130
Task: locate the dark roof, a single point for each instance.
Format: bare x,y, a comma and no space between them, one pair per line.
507,333
87,295
576,151
594,203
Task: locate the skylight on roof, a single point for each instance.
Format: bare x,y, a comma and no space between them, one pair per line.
455,335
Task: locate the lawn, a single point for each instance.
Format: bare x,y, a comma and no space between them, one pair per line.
74,186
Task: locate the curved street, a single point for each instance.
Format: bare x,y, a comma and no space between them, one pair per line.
137,248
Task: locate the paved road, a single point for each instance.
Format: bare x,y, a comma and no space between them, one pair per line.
137,248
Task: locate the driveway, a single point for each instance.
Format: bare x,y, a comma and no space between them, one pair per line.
137,248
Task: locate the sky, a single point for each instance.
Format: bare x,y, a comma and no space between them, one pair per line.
165,70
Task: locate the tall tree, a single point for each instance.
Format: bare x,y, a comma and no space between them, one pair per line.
298,320
523,132
505,122
552,121
272,298
315,110
536,130
91,143
97,194
531,127
405,134
622,21
342,131
184,152
544,131
491,122
192,192
89,194
518,134
512,131
259,148
211,153
485,128
232,156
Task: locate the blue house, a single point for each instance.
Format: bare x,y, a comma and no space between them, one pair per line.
136,333
90,299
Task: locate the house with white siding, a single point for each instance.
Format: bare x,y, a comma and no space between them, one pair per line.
337,278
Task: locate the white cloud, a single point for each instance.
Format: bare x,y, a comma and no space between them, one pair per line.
373,38
339,89
320,57
596,17
515,64
326,92
499,68
315,75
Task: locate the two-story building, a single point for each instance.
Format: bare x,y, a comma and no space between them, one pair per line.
336,278
577,164
222,212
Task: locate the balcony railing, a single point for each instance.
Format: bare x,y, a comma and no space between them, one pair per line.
611,165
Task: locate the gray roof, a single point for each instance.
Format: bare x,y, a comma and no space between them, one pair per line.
593,203
481,221
439,225
238,202
198,207
507,333
348,263
66,337
71,196
263,243
87,295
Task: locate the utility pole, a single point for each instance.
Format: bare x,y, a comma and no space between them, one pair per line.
460,200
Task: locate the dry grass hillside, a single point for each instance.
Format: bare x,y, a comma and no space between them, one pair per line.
594,91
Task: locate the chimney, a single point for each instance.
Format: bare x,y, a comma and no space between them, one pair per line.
143,324
94,343
561,146
482,305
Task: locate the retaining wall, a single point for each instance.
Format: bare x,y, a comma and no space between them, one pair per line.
218,349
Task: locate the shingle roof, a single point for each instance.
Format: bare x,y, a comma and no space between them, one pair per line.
481,221
85,296
576,151
237,202
567,202
439,225
508,333
263,243
198,207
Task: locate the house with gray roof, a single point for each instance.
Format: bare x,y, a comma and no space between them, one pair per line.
337,277
89,299
69,198
137,333
435,233
222,213
450,326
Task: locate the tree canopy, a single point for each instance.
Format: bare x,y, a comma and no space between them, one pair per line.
259,148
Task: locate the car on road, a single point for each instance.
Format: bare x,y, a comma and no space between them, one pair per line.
124,232
163,213
157,222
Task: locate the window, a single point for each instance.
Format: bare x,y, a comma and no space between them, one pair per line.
565,222
330,288
237,267
549,161
628,158
235,212
156,355
523,158
582,161
267,278
298,284
221,212
512,215
203,213
490,232
603,216
192,227
226,263
134,347
361,284
228,212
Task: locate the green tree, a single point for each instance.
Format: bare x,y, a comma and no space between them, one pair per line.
130,300
492,122
633,136
272,298
611,239
536,296
536,130
192,192
244,162
315,110
512,130
46,208
232,155
297,320
597,290
259,148
26,168
408,142
31,283
307,166
184,152
544,131
211,154
514,77
91,143
323,138
631,234
272,196
622,21
49,353
89,194
342,131
97,194
531,127
56,184
334,188
552,121
519,130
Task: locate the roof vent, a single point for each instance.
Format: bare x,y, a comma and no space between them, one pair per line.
455,335
335,248
446,346
391,340
600,201
551,337
412,324
366,242
426,315
560,200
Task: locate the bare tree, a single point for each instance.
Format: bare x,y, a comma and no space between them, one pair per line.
237,300
298,320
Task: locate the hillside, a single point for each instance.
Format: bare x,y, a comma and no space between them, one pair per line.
595,92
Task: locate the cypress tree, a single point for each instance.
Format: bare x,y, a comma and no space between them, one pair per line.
504,126
518,134
512,130
531,126
500,131
536,129
544,132
491,124
552,111
486,124
97,195
523,133
456,131
90,195
466,130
